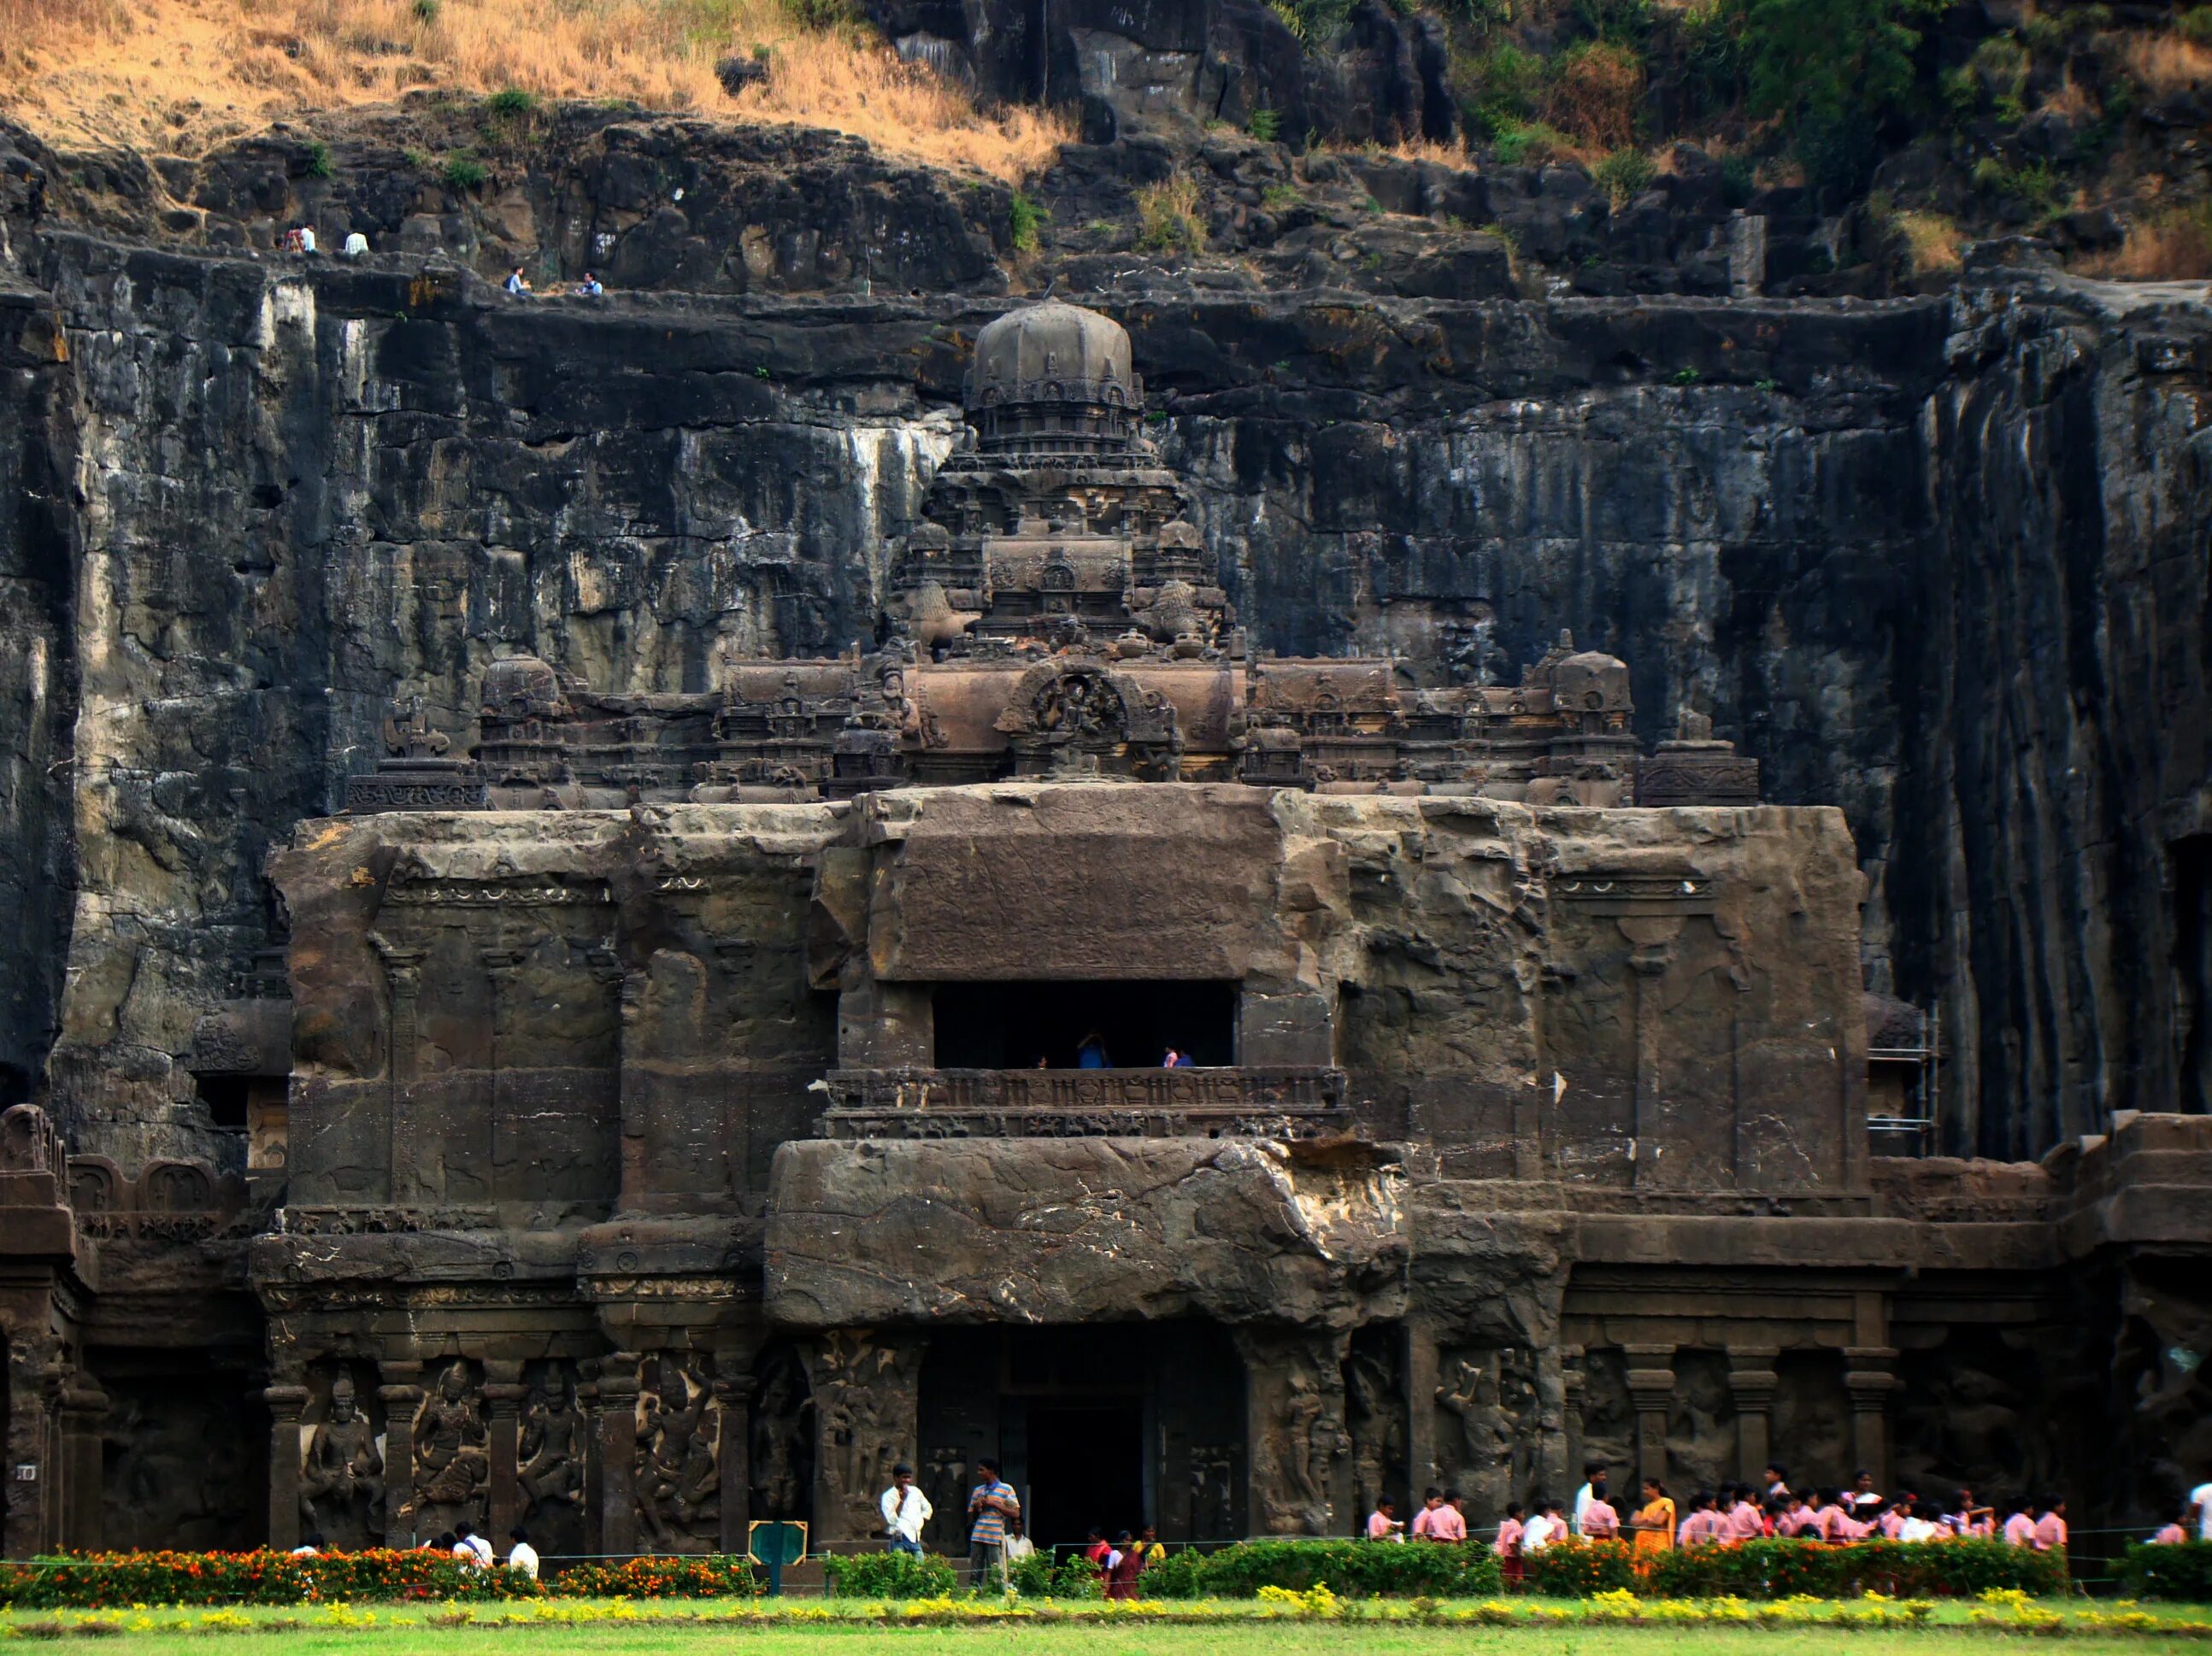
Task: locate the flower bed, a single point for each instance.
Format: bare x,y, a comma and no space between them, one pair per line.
112,1580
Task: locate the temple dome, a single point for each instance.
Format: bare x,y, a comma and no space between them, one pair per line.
1052,353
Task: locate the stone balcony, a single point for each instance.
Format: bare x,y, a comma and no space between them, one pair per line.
1153,1103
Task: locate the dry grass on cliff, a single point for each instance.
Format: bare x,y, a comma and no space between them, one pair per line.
2164,62
180,75
2174,245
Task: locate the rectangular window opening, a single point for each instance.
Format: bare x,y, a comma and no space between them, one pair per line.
1015,1026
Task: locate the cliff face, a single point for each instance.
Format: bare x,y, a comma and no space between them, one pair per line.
1941,561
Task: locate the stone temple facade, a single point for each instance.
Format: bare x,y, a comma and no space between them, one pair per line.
667,1114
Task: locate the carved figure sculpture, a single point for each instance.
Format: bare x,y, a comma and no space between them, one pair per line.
678,1484
551,1448
341,1472
452,1453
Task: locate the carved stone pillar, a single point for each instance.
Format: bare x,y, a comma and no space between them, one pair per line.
1297,1452
83,1406
32,1476
1421,1468
287,1401
587,1406
403,969
1868,1379
733,1389
1651,1384
503,1394
498,965
1752,1380
1653,935
867,1419
1553,1458
618,1453
401,1394
1571,1381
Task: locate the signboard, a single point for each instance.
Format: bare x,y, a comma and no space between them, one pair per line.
773,1543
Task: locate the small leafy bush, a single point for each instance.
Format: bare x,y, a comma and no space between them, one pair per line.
1624,175
1528,144
1167,217
1264,125
1350,1569
320,165
462,171
888,1575
2195,25
426,12
2183,1571
512,101
1024,220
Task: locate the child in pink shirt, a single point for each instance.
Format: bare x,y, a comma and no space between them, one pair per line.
1702,1525
2171,1536
1600,1521
2019,1529
1743,1522
1508,1544
1796,1519
1449,1521
2051,1528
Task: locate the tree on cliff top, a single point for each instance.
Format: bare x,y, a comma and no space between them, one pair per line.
1832,70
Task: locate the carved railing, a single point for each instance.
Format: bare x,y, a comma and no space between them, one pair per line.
1254,1103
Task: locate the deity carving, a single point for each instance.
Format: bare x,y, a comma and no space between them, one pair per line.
1492,1394
1701,1431
865,1393
1377,1425
781,1465
549,1453
342,1473
678,1475
452,1453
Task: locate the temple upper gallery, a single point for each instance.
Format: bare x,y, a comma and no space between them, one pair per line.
666,1112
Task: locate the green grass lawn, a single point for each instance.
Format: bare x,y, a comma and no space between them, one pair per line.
1248,1639
397,1629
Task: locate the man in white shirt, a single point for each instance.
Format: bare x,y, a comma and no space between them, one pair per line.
472,1549
906,1510
1593,1489
2200,1504
1546,1527
310,1545
523,1557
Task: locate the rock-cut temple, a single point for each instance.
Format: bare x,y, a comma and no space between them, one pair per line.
667,1111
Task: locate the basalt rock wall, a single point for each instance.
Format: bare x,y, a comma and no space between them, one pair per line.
1941,561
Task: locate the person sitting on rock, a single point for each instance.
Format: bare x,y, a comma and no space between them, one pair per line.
517,283
589,287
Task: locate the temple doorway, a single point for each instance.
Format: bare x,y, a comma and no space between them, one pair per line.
1115,1424
1011,1025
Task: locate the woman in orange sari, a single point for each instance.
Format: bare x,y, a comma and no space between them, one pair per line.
1652,1524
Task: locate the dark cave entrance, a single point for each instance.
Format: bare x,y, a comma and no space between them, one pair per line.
1086,1466
1111,1424
1009,1026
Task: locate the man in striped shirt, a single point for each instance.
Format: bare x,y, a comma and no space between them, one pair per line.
989,1505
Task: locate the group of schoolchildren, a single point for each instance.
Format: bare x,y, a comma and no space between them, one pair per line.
1731,1514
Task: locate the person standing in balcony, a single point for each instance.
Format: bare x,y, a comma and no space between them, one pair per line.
1091,1052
